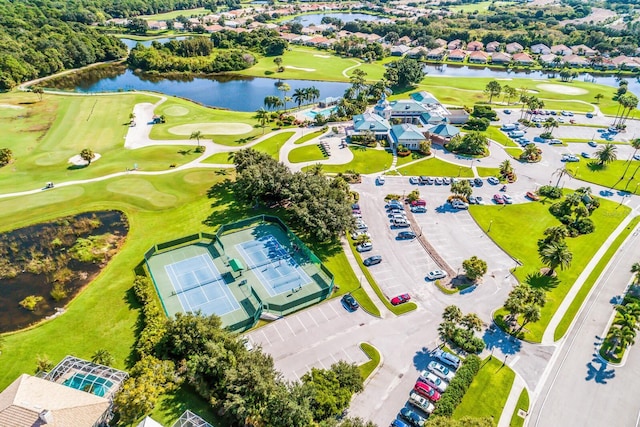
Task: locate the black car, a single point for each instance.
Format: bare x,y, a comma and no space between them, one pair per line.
372,260
478,182
355,207
350,302
406,235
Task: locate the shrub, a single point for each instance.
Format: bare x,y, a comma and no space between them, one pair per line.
484,111
58,292
550,191
480,124
30,302
458,386
154,320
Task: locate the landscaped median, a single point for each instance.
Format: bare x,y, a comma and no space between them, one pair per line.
436,167
374,356
522,405
309,136
609,175
395,309
517,229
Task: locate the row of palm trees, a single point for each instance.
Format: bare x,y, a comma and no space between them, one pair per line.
626,104
625,324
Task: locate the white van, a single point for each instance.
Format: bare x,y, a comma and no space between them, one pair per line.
509,126
516,134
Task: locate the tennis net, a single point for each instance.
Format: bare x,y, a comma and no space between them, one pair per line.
199,285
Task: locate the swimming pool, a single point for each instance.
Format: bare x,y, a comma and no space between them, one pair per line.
89,383
325,112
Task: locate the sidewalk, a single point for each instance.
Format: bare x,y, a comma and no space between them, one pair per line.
512,401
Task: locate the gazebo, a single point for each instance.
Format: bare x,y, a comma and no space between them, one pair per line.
443,132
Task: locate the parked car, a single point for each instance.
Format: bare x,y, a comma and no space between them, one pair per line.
473,200
589,115
356,234
440,370
406,235
401,223
423,179
446,180
567,113
372,260
380,180
459,204
507,199
533,196
439,181
478,182
585,155
636,156
570,158
414,180
493,180
427,391
399,423
507,111
592,144
447,358
364,247
420,402
436,274
433,380
418,209
350,302
355,206
554,142
413,417
430,180
419,202
400,299
498,199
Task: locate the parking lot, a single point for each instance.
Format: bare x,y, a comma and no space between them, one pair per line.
329,320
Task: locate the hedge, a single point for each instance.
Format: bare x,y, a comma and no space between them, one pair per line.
458,386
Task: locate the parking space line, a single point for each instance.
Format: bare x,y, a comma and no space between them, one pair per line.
334,310
278,332
290,328
266,337
348,355
334,358
305,328
312,318
322,312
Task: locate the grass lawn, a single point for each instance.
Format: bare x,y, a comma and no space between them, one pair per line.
368,367
219,158
308,153
523,403
487,172
488,392
272,145
182,112
436,167
408,159
591,280
470,8
605,351
366,160
171,405
175,13
610,175
514,152
507,220
494,133
309,137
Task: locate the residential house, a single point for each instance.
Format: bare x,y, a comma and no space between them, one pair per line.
289,36
561,50
523,59
317,41
441,42
213,28
231,24
625,62
583,50
478,57
575,61
178,26
457,55
157,25
493,46
514,48
540,49
418,52
455,44
370,123
547,59
500,58
406,134
301,39
436,54
405,40
606,64
475,46
399,50
309,30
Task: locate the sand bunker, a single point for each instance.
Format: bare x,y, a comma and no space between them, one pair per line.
176,110
14,107
322,56
79,161
562,89
211,129
291,67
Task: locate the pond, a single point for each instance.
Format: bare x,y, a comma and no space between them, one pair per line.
316,18
236,93
54,259
132,43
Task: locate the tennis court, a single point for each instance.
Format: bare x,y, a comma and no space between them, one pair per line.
273,265
200,286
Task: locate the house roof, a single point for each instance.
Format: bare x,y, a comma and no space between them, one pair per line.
372,122
478,54
522,57
457,53
444,130
513,47
149,422
475,45
23,400
548,58
501,56
406,132
540,48
560,48
575,59
407,106
424,97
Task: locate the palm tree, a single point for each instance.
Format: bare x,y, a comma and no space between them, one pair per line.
284,88
452,313
635,269
299,96
262,115
606,154
555,255
506,168
629,102
550,124
315,169
472,322
196,134
598,97
446,330
103,357
530,313
271,101
636,146
509,92
561,172
314,93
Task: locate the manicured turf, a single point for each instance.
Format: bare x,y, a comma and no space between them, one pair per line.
564,324
487,172
488,392
609,176
171,405
201,114
470,8
607,346
272,145
408,159
518,238
514,152
308,153
523,403
366,160
308,136
175,13
219,158
368,367
436,167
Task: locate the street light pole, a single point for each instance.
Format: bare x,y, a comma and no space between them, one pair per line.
490,224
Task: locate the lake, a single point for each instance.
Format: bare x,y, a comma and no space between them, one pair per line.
132,43
232,92
316,18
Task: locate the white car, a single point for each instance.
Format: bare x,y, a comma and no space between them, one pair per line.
380,180
355,234
421,402
364,247
440,370
447,181
414,180
459,204
434,380
436,274
493,180
507,199
439,181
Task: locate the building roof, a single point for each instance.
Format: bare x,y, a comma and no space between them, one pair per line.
444,130
522,57
478,54
457,53
560,49
475,45
371,122
514,47
408,106
432,118
424,97
27,397
500,57
406,132
149,422
540,48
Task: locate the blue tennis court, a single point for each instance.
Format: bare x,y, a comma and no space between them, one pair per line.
200,286
273,265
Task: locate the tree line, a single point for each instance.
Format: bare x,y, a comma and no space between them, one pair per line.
263,41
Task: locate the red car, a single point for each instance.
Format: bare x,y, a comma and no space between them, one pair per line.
400,299
533,196
498,199
427,391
